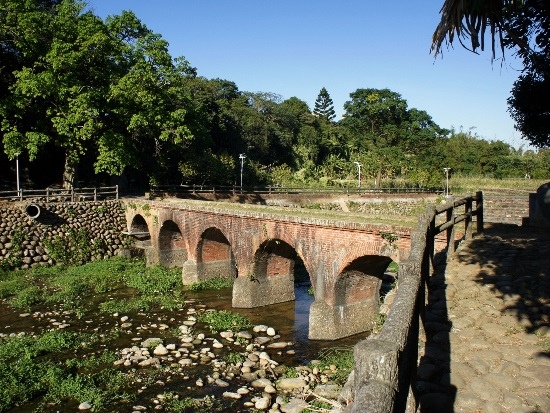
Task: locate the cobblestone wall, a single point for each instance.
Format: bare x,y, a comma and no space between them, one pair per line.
505,209
70,233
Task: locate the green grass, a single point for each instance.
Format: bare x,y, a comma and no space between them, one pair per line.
218,283
224,320
47,365
342,358
468,185
154,286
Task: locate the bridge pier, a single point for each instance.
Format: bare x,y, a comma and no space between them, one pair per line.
249,292
172,258
193,272
328,322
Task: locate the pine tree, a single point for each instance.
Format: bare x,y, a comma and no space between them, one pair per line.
324,107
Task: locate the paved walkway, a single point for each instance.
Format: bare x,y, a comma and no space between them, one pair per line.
488,326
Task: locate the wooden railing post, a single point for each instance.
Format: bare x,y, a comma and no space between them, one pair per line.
95,194
479,211
468,220
116,192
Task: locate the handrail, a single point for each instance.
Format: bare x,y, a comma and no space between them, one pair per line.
72,195
385,365
233,189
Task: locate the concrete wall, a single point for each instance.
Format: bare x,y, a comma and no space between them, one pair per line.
80,231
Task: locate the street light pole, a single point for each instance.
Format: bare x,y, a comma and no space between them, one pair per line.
242,156
358,173
17,171
447,181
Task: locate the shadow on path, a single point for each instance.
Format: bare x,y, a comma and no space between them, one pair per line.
516,265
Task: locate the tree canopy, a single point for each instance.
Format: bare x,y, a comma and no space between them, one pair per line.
95,99
324,106
521,26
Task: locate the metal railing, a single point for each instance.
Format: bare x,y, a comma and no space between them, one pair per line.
262,190
64,195
385,365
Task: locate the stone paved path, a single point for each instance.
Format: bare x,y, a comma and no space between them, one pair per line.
487,326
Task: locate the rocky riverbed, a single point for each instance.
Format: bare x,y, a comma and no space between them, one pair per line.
169,357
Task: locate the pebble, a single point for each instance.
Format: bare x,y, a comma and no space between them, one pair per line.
84,406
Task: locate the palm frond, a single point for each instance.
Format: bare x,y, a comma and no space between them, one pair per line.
469,20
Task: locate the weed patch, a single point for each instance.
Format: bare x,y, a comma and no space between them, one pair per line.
217,283
224,320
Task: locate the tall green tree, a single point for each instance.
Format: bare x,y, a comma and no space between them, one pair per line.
60,97
324,106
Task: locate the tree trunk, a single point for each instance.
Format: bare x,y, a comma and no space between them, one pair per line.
379,179
70,173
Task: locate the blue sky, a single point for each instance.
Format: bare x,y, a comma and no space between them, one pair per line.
296,47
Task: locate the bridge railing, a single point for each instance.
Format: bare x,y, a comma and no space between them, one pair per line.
262,190
385,365
63,195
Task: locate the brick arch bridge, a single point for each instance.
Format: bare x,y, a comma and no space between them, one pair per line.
345,260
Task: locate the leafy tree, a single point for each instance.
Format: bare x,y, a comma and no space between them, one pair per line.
324,106
60,97
523,26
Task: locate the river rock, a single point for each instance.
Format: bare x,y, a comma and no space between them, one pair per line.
261,383
227,334
295,405
291,383
263,403
270,331
231,395
160,350
278,345
84,406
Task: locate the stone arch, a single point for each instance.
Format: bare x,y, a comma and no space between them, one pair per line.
271,279
139,230
361,280
171,245
274,258
215,256
352,307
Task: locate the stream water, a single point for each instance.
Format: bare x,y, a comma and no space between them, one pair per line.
289,319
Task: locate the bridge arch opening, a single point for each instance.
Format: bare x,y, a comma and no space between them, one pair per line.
215,256
139,230
358,289
274,258
361,280
172,251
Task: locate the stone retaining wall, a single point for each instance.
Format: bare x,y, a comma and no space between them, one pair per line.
505,209
70,233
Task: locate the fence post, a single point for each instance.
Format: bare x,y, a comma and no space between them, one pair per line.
47,194
72,194
20,194
451,231
468,220
116,192
479,211
95,194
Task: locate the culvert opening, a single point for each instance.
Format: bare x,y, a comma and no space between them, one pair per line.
32,211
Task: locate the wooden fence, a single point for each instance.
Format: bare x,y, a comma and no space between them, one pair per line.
62,195
159,190
385,365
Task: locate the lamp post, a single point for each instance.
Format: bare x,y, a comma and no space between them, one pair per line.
447,181
358,173
242,156
17,171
